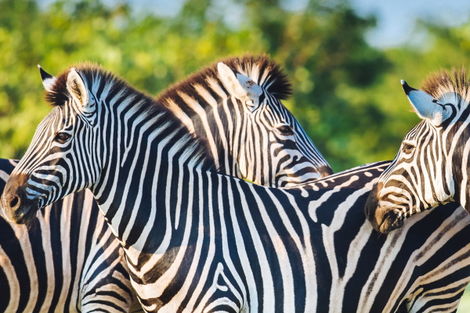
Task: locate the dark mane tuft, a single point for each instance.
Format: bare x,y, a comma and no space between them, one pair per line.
59,93
456,80
260,69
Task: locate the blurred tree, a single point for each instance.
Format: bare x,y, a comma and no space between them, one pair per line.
444,48
324,50
346,93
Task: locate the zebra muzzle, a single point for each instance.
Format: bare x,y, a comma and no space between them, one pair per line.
383,219
16,206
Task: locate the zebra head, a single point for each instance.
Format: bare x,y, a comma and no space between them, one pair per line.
432,165
44,174
273,148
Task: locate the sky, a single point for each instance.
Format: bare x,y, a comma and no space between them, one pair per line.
396,19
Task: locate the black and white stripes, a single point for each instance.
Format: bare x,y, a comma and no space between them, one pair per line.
306,172
199,240
235,106
432,165
66,260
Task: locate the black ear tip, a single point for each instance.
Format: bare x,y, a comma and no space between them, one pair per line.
44,74
407,88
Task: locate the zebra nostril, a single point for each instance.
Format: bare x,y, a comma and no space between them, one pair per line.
14,201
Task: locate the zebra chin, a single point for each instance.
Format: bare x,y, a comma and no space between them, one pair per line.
383,219
387,221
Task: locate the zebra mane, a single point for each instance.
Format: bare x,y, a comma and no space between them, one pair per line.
260,69
59,94
442,82
92,73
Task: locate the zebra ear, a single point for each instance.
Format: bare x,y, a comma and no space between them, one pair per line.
240,86
47,79
426,106
77,88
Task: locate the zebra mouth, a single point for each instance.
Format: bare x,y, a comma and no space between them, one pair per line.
383,219
390,221
19,210
24,214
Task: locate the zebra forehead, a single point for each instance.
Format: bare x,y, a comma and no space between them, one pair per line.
443,82
260,69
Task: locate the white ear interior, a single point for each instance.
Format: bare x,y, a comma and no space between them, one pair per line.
251,88
76,87
47,79
48,83
240,86
230,81
427,107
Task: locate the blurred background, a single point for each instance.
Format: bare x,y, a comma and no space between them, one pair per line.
344,58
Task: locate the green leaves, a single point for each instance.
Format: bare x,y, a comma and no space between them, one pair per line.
346,93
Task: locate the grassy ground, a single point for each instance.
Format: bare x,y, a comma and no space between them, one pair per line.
464,306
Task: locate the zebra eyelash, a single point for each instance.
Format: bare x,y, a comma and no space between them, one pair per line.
407,147
285,130
62,137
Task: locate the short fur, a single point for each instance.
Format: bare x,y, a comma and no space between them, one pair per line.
442,82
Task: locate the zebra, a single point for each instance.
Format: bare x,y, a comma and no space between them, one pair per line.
432,165
198,240
66,260
258,141
78,296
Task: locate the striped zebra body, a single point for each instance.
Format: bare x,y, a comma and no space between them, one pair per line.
199,240
82,294
432,165
66,260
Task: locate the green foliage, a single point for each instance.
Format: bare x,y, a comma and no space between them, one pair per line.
346,93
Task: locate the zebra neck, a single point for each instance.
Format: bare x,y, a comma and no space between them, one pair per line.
144,149
214,119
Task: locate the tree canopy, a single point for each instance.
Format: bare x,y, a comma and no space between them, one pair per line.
346,92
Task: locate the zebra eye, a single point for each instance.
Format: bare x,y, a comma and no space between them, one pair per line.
407,148
285,130
62,137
